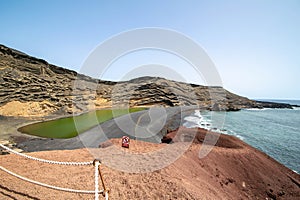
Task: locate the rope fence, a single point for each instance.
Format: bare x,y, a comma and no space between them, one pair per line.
46,185
96,180
44,160
96,164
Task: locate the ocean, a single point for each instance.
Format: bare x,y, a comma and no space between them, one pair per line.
273,131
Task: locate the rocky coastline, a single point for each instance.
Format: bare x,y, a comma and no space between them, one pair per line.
31,87
33,90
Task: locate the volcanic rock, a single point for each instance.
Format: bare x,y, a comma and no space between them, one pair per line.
25,79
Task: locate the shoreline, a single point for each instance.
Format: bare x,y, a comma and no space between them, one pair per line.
28,143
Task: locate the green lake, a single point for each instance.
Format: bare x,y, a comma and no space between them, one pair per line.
72,126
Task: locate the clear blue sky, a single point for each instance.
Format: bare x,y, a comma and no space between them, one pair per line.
254,44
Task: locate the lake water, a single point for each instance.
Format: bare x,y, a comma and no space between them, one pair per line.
69,127
273,131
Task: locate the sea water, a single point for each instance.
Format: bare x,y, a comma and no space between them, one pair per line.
273,131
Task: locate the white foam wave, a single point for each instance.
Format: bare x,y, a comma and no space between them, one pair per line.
257,109
194,120
190,125
197,113
230,132
240,137
197,120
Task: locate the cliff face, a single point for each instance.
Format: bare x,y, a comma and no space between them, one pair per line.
32,86
25,79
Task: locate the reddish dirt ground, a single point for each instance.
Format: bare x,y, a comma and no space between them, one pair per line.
232,170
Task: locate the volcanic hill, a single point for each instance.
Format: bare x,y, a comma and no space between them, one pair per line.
32,87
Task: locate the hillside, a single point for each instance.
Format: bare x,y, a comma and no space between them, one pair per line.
232,170
32,90
32,87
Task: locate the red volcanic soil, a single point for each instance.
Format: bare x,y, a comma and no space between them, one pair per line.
232,170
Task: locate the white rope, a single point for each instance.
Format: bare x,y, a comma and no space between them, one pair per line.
50,186
44,160
97,163
97,180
